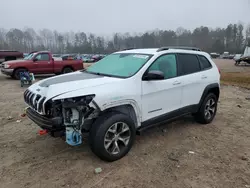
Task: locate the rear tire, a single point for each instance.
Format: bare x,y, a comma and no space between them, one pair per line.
16,74
208,109
67,70
112,136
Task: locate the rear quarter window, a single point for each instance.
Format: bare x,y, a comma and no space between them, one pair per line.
205,64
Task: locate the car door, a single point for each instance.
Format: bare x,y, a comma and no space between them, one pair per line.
43,63
207,73
160,97
191,78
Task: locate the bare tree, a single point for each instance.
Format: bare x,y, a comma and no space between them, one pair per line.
229,39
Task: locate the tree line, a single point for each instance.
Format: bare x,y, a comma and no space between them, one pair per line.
233,39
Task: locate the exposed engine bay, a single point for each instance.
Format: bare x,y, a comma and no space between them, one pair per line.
70,116
74,112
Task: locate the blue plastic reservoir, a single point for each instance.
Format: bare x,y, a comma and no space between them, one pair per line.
73,136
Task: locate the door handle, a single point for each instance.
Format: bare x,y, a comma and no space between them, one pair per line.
176,83
203,77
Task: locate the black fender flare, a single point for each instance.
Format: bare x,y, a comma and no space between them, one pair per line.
208,89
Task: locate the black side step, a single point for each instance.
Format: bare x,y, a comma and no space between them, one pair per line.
146,125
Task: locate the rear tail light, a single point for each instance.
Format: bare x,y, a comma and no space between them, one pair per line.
218,69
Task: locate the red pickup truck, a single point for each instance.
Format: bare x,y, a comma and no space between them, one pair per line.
40,63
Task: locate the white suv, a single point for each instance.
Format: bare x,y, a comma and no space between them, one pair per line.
125,93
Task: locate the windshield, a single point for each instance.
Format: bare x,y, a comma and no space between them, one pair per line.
119,65
29,57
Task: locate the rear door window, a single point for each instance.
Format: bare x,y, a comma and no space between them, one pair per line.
188,64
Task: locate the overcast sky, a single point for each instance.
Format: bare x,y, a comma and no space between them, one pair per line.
109,16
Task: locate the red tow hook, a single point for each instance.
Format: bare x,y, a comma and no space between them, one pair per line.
42,132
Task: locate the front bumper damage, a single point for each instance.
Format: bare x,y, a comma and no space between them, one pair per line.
64,117
51,125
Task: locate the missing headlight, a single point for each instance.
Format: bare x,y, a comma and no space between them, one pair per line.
75,111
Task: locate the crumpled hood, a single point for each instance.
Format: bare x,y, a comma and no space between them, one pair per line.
62,84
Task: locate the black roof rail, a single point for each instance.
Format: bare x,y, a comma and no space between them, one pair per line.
178,47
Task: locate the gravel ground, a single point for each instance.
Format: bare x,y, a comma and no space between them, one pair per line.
180,154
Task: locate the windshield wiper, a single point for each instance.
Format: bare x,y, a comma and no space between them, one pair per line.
102,74
96,73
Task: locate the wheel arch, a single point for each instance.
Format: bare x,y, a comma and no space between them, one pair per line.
15,69
20,68
211,88
68,66
129,108
13,75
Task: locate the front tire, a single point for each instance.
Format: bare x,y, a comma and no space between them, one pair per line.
112,136
17,72
208,109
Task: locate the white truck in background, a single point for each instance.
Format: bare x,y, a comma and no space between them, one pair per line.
225,55
244,58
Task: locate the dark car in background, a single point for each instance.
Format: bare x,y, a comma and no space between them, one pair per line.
97,57
56,55
87,58
214,55
68,57
7,55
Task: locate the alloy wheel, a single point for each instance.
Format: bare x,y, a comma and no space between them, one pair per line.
117,138
210,108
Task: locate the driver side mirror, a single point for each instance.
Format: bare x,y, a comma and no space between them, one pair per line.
35,59
153,75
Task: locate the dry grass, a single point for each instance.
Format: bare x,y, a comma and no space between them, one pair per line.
233,75
241,79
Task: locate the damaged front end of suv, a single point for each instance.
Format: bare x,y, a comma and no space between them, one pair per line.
68,117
